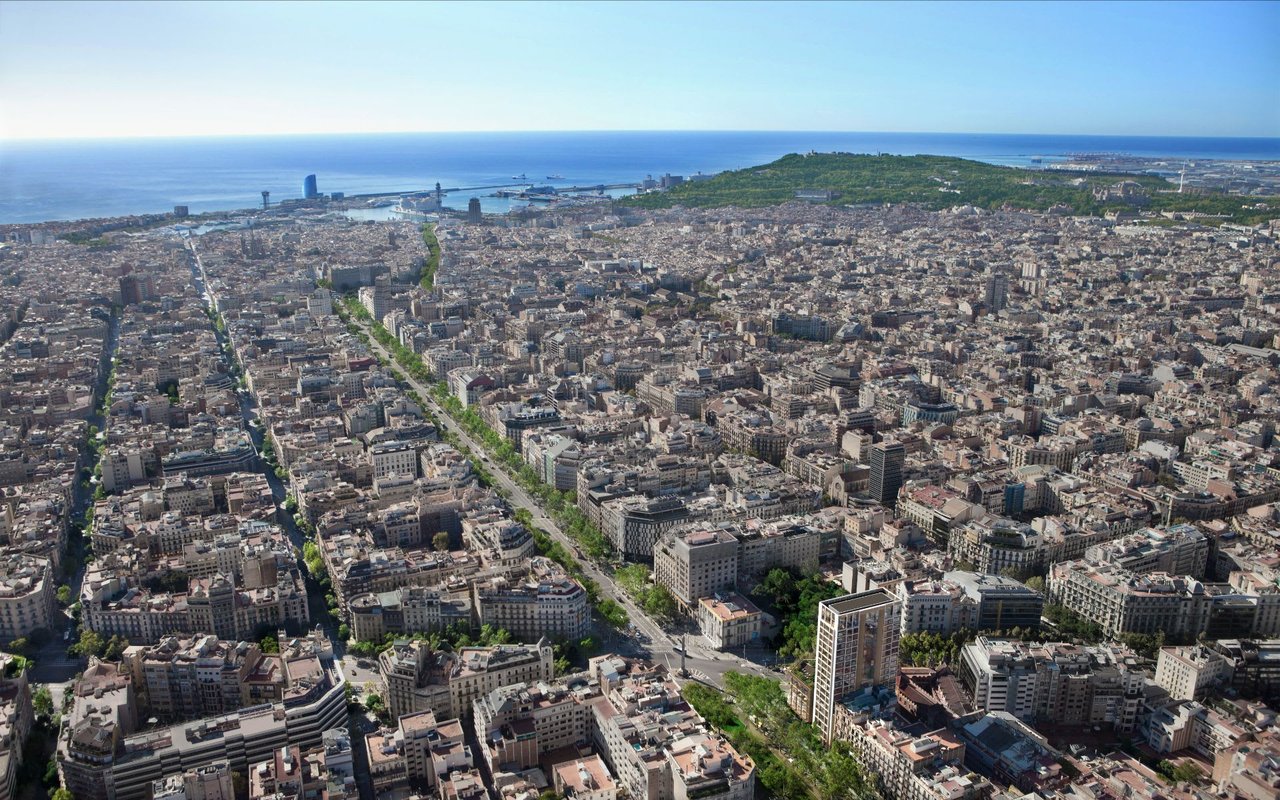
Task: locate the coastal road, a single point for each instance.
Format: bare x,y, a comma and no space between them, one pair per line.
654,642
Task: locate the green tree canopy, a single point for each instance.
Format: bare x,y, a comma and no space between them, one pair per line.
42,701
90,643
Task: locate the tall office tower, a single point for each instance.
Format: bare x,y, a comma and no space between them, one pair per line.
377,298
997,292
857,648
309,189
130,292
473,210
887,461
266,199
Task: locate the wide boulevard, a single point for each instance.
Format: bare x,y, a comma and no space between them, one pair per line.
648,639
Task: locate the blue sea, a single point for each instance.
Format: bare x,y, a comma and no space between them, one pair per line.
56,180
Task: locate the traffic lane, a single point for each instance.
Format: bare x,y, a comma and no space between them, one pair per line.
523,500
662,644
357,675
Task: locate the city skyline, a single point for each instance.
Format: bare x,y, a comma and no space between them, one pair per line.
130,70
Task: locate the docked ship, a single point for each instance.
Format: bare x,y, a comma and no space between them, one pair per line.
540,194
419,208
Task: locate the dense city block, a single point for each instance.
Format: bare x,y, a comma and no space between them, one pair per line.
815,499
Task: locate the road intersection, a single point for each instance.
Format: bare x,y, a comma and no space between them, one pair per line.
648,639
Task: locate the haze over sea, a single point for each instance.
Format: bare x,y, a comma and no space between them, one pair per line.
72,179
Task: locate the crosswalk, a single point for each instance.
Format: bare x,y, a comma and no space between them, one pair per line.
55,667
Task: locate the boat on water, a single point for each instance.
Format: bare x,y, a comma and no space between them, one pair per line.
417,214
519,177
555,177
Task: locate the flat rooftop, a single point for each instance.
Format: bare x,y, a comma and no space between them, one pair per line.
860,601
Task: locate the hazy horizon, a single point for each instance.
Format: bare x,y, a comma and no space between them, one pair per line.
532,131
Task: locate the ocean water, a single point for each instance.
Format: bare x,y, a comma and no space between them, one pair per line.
100,178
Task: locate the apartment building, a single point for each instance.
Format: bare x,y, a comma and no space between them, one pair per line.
655,744
213,604
585,779
971,600
100,757
1255,665
521,723
1177,550
1123,602
788,542
995,545
409,610
696,563
1068,684
182,678
729,620
210,782
1188,672
857,648
16,718
27,595
394,459
431,748
1249,770
416,678
925,767
1190,725
534,605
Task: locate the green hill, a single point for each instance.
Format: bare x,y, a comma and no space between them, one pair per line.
935,182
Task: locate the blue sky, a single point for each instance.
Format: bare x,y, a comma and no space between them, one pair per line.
126,69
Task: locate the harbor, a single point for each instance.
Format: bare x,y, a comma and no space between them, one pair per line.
424,205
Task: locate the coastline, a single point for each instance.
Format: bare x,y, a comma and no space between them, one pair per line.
73,180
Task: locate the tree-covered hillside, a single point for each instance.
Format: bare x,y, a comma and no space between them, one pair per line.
935,182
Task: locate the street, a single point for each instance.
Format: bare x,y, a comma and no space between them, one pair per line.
52,664
701,661
652,642
249,415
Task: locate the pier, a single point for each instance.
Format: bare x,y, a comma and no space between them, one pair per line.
518,187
